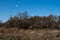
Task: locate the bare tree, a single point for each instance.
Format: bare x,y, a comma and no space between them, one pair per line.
22,15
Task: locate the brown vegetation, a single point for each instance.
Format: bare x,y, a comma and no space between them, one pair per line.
22,27
36,34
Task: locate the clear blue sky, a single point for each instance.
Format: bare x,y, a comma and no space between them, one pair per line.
33,7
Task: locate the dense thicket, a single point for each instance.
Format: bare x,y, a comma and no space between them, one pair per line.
22,21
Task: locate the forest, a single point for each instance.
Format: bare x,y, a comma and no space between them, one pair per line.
23,21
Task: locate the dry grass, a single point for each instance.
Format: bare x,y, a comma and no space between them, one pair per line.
15,34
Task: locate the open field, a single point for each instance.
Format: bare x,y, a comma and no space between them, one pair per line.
36,34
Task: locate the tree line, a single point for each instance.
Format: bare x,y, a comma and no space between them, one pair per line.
23,21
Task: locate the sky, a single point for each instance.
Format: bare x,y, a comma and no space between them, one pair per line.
33,7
